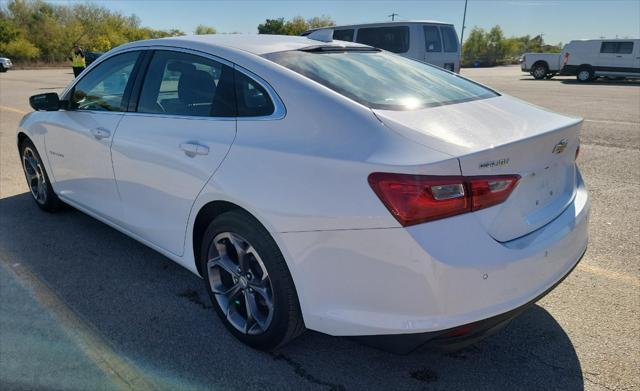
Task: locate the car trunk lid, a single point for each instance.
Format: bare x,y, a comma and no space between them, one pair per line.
503,136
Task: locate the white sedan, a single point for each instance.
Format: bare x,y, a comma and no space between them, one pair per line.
317,184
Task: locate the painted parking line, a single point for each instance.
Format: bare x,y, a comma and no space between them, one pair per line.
123,374
604,121
14,110
611,274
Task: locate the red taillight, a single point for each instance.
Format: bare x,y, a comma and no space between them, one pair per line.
565,58
414,199
577,151
490,191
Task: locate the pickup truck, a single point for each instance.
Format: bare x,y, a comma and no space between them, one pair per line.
541,65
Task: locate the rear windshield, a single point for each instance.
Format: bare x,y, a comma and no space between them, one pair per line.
381,80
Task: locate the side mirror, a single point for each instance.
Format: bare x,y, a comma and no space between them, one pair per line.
45,102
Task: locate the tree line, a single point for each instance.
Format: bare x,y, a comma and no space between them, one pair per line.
489,48
35,30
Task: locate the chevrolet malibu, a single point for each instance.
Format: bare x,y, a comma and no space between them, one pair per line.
318,184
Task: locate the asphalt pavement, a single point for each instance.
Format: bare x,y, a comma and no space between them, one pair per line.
84,307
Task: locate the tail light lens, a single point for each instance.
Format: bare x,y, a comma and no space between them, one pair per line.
565,58
414,199
577,151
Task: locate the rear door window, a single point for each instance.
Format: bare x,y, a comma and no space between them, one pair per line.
432,39
609,47
394,39
343,35
185,84
625,47
450,39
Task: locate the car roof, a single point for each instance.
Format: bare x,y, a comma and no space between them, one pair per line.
604,39
380,24
253,43
400,22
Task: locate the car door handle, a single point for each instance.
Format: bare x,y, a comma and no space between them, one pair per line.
193,149
100,133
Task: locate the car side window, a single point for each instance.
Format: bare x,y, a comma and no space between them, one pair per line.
179,83
103,88
253,100
450,39
625,47
343,35
609,47
432,39
393,39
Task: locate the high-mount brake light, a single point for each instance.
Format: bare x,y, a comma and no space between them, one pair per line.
414,199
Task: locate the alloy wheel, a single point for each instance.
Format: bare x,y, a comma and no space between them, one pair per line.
584,75
539,72
240,282
35,175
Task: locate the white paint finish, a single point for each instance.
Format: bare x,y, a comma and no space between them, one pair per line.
428,277
157,180
470,127
81,162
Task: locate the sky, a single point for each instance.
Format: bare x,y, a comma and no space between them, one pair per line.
558,20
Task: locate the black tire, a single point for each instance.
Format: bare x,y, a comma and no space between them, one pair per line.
2,68
539,70
285,322
550,76
584,74
37,179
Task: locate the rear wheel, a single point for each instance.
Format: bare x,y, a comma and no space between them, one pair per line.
249,283
539,70
584,74
37,178
2,68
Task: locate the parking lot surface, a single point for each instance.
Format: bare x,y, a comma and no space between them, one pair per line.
85,307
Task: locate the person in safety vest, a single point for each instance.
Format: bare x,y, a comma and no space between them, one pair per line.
77,60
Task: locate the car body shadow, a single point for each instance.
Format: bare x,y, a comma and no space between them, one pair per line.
157,315
604,82
598,82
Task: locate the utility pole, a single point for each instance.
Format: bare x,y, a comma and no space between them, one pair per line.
393,16
464,19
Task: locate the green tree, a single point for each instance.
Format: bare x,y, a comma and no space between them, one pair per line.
272,26
19,49
8,31
295,26
320,21
475,47
202,30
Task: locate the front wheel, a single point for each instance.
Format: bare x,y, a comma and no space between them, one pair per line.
249,283
37,178
2,68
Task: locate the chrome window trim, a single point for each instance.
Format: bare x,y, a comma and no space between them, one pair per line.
279,111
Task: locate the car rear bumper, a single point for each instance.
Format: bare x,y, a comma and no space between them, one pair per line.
454,338
7,65
428,278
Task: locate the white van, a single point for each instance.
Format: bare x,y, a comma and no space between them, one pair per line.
593,58
433,42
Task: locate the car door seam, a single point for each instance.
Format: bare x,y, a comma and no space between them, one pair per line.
186,228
